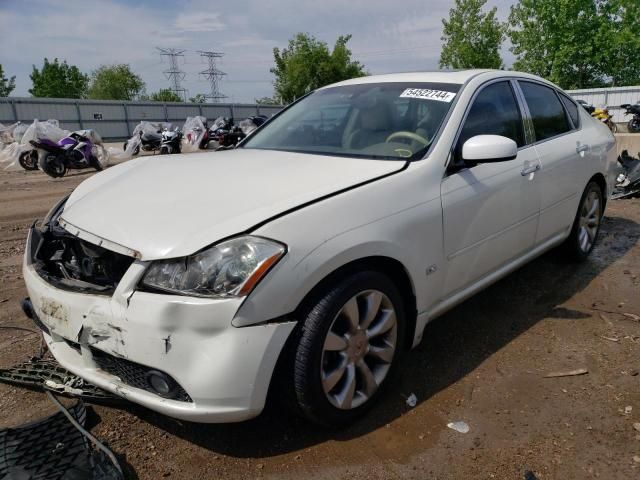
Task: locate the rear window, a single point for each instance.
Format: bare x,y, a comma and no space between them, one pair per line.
572,109
548,115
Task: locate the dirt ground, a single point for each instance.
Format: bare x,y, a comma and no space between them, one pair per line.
483,363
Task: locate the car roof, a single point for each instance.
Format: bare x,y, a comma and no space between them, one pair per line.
437,76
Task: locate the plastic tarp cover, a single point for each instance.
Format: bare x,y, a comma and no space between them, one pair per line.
144,128
49,129
194,130
247,126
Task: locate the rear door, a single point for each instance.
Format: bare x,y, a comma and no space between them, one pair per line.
490,210
560,147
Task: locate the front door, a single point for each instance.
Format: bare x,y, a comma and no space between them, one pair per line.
490,210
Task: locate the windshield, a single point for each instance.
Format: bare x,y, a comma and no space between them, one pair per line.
371,120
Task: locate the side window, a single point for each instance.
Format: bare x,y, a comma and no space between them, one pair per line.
494,112
547,113
572,109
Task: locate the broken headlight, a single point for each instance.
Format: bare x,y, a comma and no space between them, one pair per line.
230,268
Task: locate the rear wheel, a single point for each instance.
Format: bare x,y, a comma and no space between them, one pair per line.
29,160
586,225
347,349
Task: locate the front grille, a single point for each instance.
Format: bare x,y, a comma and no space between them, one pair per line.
133,374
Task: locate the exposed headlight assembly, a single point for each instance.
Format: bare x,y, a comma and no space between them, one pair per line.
228,269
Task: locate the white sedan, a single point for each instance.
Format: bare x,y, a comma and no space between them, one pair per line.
311,256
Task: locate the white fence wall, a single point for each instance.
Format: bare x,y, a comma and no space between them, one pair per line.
612,97
116,120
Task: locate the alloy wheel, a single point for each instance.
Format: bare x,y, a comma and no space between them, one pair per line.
359,349
590,214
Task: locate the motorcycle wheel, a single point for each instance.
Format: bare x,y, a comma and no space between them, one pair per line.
164,150
634,125
54,165
29,160
95,163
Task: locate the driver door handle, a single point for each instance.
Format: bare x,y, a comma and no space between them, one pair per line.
531,169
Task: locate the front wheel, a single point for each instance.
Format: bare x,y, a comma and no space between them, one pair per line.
347,349
53,165
586,224
634,125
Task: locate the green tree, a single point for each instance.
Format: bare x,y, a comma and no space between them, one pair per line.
163,95
619,41
58,80
6,84
115,82
267,101
307,63
471,38
198,98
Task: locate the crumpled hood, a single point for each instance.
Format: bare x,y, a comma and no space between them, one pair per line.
174,205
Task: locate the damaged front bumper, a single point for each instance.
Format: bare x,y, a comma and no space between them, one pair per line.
177,355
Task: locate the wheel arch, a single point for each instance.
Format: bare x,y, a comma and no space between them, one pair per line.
391,267
602,183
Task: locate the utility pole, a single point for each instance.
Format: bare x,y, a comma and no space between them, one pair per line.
173,73
213,75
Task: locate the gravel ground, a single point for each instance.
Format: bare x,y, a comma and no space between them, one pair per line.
483,363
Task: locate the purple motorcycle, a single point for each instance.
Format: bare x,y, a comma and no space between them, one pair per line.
81,149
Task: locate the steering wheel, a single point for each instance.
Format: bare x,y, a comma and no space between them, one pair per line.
410,135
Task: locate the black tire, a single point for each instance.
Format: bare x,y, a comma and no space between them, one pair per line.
95,163
164,150
53,165
573,247
29,160
307,349
633,126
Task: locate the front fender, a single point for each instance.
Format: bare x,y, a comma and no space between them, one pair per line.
293,279
412,237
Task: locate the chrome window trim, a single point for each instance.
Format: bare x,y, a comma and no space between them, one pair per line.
555,90
562,94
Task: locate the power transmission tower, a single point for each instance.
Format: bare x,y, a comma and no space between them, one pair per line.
173,73
213,75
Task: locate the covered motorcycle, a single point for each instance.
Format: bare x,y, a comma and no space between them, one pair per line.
81,149
20,152
228,135
147,136
196,134
634,110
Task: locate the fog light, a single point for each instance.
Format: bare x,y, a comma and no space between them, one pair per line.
161,383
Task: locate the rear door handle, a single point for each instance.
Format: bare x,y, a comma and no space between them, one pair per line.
582,148
528,170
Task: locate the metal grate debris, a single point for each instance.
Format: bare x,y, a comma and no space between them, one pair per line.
54,449
49,375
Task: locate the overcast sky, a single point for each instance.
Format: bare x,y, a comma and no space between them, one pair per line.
388,36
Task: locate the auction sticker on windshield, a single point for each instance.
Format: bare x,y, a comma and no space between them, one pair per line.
428,94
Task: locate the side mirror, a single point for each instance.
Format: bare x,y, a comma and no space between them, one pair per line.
489,148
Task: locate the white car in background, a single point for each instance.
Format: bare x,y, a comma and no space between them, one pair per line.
318,250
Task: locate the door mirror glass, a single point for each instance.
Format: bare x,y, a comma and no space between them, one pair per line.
489,148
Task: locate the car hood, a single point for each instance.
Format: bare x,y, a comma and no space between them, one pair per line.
174,205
